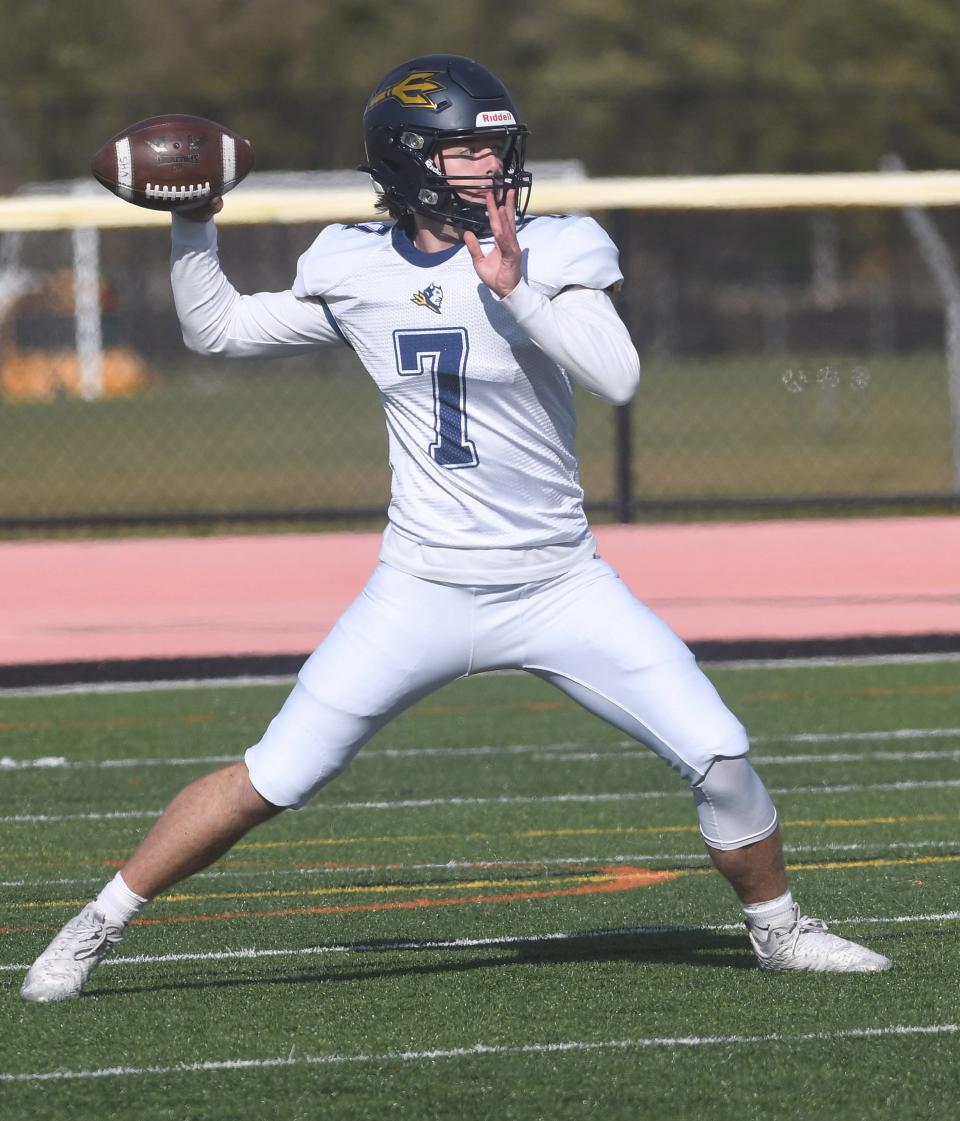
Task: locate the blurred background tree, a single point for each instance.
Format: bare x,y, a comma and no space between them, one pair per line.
644,87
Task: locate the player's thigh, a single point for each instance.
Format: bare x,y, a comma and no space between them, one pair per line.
400,636
398,641
604,648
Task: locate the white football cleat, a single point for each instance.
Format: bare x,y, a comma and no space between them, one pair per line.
806,944
61,971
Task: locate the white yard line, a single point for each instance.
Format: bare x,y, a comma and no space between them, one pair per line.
926,784
110,815
504,941
639,755
447,865
950,755
475,1050
645,858
503,800
623,749
842,737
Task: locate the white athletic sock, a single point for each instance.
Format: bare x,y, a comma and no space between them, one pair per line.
774,912
118,902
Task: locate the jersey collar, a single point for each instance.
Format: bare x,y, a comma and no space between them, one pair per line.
409,252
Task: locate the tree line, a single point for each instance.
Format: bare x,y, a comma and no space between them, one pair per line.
649,87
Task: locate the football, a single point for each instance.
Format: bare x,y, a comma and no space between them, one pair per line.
172,162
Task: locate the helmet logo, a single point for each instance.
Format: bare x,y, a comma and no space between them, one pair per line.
413,90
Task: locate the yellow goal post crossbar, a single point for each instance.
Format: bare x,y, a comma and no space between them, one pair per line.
254,205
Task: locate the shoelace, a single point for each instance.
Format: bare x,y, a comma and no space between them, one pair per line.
91,935
803,925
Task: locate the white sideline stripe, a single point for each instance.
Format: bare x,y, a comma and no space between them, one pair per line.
507,940
502,800
620,858
477,1049
109,687
622,749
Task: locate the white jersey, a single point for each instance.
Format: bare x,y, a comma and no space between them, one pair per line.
481,420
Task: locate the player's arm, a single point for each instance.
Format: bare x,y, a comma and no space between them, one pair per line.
217,320
579,328
582,332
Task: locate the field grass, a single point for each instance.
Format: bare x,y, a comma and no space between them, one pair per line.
464,924
293,435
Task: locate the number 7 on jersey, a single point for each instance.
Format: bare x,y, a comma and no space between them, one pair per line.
442,353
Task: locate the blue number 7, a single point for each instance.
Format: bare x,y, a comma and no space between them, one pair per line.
441,352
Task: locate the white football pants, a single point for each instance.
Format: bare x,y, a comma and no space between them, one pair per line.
584,632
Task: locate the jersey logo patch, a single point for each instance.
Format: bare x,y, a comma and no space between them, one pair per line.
431,297
413,90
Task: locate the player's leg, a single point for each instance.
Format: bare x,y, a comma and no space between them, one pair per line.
590,637
200,824
401,639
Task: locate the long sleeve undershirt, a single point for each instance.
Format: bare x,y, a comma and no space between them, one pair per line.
581,331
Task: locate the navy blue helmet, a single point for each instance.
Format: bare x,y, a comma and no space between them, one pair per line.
429,101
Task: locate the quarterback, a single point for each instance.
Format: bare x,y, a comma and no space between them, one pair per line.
475,321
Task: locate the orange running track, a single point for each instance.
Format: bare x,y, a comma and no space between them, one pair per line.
782,583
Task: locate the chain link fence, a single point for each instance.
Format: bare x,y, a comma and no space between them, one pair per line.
790,358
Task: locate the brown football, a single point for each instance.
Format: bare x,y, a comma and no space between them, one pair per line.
171,162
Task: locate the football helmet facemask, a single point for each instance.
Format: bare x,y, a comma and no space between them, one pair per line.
430,101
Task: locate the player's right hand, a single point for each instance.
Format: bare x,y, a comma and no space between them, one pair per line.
500,268
202,213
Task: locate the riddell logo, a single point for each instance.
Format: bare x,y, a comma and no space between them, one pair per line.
501,117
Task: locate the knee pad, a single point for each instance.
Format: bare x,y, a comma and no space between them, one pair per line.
733,805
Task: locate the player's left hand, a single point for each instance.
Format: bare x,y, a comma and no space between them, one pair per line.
500,268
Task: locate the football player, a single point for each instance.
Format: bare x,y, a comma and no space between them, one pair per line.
475,321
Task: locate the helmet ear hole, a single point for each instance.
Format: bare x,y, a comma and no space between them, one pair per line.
412,140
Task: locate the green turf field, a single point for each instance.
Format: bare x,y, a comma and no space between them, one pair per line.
468,923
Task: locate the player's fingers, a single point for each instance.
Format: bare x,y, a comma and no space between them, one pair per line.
472,243
505,229
508,212
494,216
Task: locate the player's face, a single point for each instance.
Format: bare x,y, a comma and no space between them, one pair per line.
477,157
